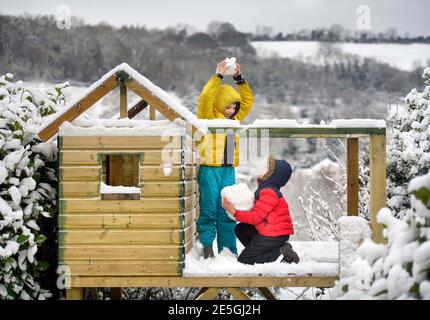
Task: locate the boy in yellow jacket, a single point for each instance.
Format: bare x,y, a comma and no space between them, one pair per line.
219,155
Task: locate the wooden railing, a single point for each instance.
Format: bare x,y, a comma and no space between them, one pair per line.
377,137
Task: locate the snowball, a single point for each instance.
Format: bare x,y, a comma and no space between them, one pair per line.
230,67
240,195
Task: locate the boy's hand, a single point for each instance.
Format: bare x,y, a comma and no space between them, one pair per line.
228,206
221,67
237,70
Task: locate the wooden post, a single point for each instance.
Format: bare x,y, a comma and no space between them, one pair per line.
151,113
352,177
378,191
115,165
115,293
122,101
75,294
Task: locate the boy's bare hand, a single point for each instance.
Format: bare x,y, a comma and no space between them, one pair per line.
237,70
228,206
221,67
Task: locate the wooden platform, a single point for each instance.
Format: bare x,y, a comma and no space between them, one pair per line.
212,282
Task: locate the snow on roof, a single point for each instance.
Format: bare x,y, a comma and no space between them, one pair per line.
317,258
338,123
292,123
124,127
180,109
125,122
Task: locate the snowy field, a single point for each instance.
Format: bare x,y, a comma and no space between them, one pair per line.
402,56
317,258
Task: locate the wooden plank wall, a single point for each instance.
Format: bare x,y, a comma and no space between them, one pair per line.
127,237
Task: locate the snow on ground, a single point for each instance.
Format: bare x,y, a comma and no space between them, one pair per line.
402,56
319,258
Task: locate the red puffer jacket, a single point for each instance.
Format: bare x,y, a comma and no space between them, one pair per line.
270,215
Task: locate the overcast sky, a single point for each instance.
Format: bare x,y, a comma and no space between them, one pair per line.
411,16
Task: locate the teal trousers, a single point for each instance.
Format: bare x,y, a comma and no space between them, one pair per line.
213,220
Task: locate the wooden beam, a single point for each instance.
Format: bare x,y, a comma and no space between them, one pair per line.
267,293
137,108
122,101
208,294
238,294
352,177
152,100
151,113
78,108
75,294
304,132
200,282
378,190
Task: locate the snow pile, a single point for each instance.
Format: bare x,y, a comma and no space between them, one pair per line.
316,259
27,186
104,188
352,232
240,195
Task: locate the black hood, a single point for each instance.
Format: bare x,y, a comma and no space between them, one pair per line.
277,180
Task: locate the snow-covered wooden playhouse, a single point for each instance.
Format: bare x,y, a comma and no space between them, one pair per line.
128,198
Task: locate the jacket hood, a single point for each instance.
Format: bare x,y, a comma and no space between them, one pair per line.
279,178
224,96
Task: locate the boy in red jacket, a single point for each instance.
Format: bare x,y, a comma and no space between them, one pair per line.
265,230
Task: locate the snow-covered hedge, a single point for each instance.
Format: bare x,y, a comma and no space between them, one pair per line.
27,185
408,150
400,269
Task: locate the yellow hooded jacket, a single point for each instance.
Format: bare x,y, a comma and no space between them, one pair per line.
214,98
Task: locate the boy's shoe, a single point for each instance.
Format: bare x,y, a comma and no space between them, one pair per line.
289,254
208,252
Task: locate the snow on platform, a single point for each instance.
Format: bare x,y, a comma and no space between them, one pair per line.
317,258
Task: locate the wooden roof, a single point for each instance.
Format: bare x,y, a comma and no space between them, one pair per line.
127,78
